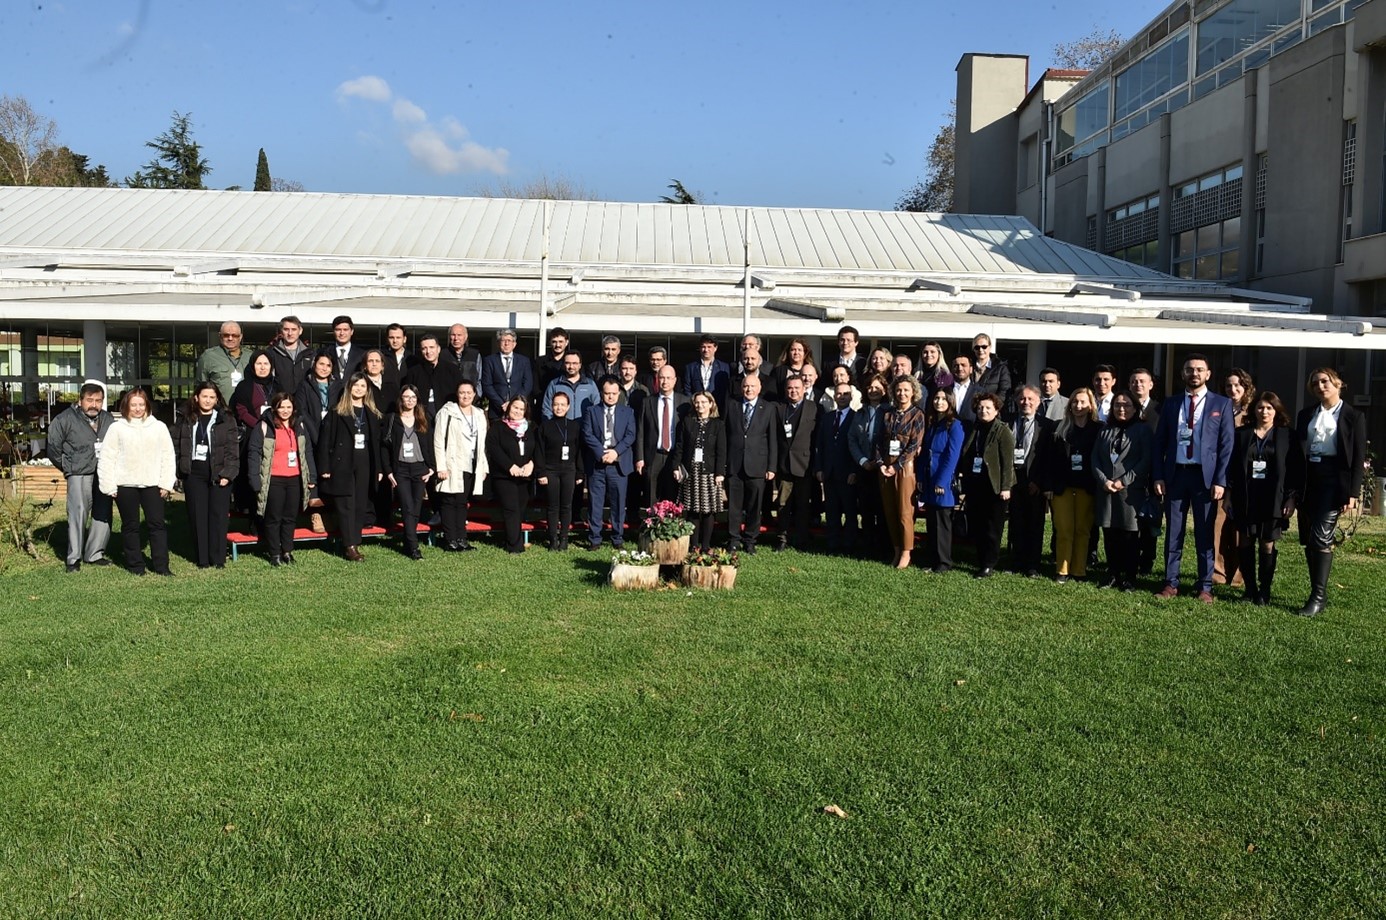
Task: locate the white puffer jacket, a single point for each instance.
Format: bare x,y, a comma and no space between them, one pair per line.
138,453
459,447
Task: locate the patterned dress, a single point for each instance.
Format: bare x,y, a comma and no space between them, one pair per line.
699,492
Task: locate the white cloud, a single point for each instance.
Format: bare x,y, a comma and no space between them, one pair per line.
443,148
125,29
435,154
406,112
370,88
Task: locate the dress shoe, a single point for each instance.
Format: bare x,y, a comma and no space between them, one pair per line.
74,566
103,561
416,554
163,573
1110,582
1205,597
941,569
1060,579
750,549
353,554
781,547
464,547
274,562
1032,573
287,559
983,573
1167,592
904,561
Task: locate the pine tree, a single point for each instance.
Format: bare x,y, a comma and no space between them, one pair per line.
180,163
262,173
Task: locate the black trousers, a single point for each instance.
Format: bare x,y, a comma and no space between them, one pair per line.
1123,553
453,510
351,507
513,496
409,490
209,506
1026,537
795,494
840,504
875,533
938,537
130,500
559,493
745,495
281,513
986,516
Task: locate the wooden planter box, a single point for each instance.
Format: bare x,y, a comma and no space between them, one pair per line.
710,577
37,483
634,577
666,552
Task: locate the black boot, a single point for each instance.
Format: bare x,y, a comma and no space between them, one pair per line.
1320,564
1266,575
1247,563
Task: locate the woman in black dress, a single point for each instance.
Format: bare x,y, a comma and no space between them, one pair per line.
988,468
348,455
510,454
1266,461
702,466
209,459
557,454
1333,437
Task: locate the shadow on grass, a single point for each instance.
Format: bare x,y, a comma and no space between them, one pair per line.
594,569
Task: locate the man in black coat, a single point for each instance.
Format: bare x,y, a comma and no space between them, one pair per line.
436,379
656,442
1147,410
1033,433
753,455
466,359
836,470
989,373
798,453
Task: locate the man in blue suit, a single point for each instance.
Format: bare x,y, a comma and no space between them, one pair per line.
708,373
505,375
1193,445
608,434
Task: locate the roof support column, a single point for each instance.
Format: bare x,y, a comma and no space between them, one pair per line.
746,281
94,349
1246,258
544,285
1164,252
29,362
1036,358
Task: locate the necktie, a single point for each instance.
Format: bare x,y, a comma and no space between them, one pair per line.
1188,451
837,422
664,425
746,415
1044,406
341,357
506,361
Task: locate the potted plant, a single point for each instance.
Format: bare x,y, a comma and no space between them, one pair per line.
665,532
633,570
711,570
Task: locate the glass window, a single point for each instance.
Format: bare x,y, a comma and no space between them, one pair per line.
1232,232
1152,76
1206,268
1229,264
1208,237
1184,244
1240,25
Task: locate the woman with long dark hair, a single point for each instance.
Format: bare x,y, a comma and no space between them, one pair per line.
988,462
1266,465
1333,437
348,455
943,440
510,454
1121,466
281,472
557,459
209,459
898,444
407,458
1228,550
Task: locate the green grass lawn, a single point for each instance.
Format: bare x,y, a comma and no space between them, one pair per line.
475,735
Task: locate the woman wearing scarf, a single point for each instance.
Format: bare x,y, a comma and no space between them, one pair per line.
209,459
510,454
1121,465
249,401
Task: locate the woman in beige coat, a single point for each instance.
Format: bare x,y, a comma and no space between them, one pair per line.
459,449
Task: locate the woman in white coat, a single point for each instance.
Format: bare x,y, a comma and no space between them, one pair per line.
137,468
459,449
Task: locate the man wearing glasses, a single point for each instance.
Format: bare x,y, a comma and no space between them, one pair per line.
989,375
224,364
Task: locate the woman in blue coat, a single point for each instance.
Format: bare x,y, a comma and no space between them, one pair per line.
943,440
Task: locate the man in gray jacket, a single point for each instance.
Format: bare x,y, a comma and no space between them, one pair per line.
74,444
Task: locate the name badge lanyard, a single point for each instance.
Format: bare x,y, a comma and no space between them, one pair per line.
564,429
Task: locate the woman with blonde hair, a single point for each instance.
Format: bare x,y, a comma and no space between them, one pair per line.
137,468
348,455
1072,488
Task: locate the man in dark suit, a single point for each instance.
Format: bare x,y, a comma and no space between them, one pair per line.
708,373
1193,447
657,442
346,355
435,378
608,436
397,355
1053,404
1033,433
465,358
751,363
798,435
837,472
847,356
505,375
1142,386
753,455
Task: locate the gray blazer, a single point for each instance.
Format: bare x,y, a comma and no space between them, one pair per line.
1134,446
1058,405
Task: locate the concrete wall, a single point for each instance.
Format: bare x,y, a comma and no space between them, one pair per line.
984,169
1133,166
1208,134
1068,209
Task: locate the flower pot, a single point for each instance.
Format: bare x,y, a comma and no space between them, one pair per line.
700,576
726,577
634,577
670,552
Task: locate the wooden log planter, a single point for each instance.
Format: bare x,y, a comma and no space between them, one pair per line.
634,577
710,577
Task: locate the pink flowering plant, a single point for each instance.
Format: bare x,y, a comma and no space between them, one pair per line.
665,521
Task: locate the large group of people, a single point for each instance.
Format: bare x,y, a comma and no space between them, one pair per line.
866,444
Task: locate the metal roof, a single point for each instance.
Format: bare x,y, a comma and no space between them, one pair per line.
94,222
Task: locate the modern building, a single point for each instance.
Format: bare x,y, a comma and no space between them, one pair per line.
144,278
1233,141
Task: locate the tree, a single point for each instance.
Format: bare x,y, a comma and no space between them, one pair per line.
1090,51
263,183
286,185
554,188
681,195
935,191
179,163
25,138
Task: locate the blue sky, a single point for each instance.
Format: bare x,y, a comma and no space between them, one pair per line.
783,104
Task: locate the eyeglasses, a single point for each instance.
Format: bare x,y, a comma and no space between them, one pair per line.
980,347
